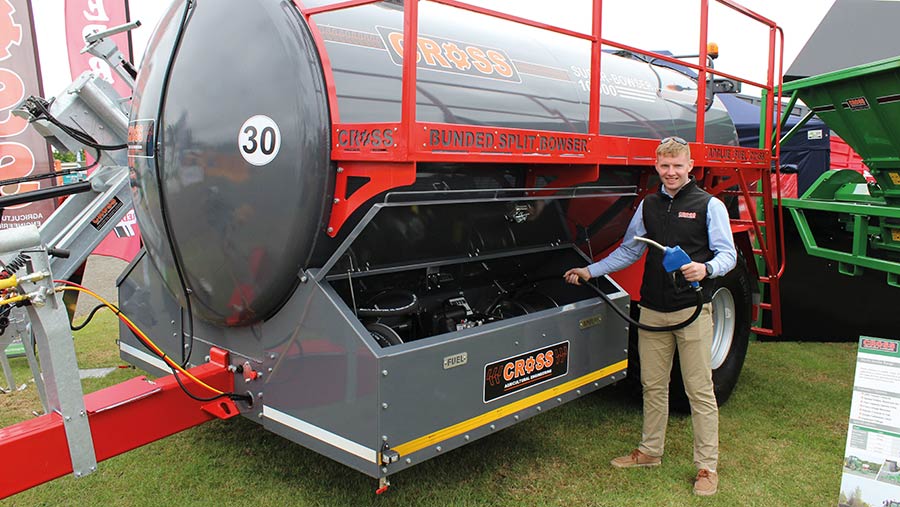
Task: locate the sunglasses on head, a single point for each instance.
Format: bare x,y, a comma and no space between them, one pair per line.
674,138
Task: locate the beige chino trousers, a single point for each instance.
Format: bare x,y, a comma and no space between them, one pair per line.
656,351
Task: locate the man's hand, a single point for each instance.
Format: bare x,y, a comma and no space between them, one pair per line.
694,272
576,275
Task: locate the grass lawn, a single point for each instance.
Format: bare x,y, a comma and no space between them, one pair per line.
782,444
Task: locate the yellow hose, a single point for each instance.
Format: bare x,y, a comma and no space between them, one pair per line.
143,337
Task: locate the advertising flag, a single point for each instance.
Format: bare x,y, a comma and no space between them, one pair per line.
23,152
84,17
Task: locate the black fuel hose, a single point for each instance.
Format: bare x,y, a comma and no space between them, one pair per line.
645,327
406,309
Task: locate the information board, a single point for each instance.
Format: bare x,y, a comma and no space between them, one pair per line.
871,464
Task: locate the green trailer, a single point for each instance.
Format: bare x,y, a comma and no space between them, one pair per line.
15,350
862,105
849,228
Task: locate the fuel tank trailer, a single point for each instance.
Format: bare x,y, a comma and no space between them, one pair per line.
379,308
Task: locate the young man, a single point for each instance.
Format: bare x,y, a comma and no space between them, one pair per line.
681,214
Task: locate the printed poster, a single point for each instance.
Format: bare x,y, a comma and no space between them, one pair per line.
871,467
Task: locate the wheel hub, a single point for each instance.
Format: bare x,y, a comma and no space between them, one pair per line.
723,316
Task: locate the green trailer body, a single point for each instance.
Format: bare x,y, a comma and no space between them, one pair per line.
862,105
842,236
15,350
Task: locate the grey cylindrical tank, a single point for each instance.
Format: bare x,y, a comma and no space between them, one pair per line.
230,139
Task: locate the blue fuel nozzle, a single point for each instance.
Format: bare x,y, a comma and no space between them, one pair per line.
673,257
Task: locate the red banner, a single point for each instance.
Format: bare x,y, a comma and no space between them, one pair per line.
22,150
84,17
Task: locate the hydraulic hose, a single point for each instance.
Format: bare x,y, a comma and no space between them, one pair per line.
645,327
673,259
45,193
406,309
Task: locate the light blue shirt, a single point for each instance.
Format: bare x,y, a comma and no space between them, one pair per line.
719,236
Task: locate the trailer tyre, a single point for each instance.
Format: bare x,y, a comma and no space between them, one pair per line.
731,303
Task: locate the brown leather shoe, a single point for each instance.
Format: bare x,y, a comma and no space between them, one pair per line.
706,483
636,459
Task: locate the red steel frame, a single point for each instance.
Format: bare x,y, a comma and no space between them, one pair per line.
719,167
122,417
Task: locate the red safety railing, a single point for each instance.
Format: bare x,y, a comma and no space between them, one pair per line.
724,167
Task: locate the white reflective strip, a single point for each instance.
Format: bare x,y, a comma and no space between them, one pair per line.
143,356
321,434
636,96
633,91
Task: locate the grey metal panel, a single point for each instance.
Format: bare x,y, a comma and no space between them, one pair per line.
423,397
315,444
441,446
324,374
314,365
839,42
146,300
328,386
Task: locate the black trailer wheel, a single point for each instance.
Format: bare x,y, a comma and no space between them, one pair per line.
731,307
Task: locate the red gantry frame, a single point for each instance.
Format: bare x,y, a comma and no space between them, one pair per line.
722,170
